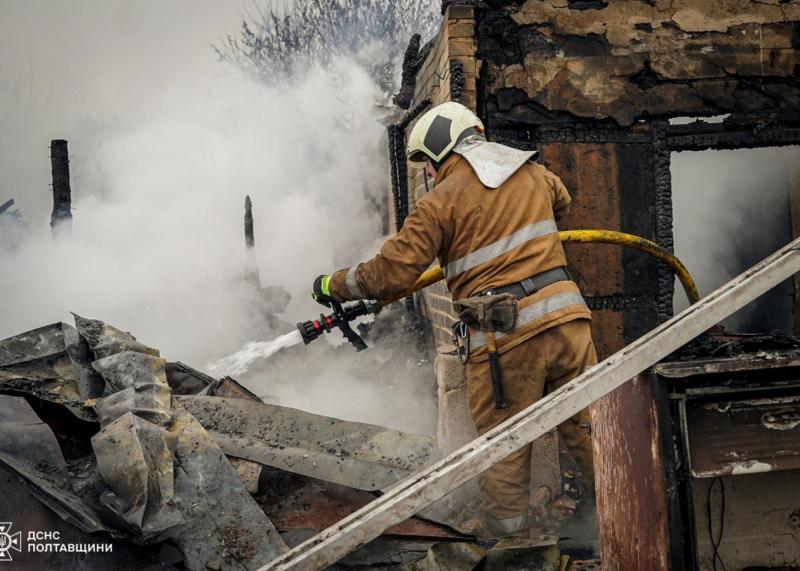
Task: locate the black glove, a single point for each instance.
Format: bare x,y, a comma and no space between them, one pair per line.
321,291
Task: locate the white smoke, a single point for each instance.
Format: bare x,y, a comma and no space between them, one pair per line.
731,210
165,142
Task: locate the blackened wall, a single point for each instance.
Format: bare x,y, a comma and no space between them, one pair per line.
592,85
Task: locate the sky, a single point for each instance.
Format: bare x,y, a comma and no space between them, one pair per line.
77,69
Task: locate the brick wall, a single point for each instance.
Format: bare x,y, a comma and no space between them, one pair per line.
449,70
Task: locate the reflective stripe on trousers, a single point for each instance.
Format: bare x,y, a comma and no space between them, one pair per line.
500,247
534,312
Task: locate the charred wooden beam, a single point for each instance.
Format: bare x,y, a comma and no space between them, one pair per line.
700,136
399,169
411,61
249,237
456,79
251,274
662,187
62,193
6,205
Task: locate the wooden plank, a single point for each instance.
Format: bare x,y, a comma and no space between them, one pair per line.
768,360
418,491
794,209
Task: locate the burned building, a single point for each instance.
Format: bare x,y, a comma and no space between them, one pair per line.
593,85
603,90
697,457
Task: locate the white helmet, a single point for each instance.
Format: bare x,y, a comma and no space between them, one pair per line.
439,130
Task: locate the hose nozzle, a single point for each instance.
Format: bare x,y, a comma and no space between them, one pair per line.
340,318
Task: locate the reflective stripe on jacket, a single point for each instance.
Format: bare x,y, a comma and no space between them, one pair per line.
483,238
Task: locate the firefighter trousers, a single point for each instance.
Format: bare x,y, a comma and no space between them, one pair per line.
530,370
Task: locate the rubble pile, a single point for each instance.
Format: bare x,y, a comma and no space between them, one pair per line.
169,468
141,454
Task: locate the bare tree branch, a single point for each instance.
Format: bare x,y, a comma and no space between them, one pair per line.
274,44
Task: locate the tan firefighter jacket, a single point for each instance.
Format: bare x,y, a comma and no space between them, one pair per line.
483,237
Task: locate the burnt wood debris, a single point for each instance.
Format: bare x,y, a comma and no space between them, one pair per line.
62,192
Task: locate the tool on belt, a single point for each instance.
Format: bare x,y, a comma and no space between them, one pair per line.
490,314
496,310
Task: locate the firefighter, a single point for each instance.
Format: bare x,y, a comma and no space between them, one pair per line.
491,222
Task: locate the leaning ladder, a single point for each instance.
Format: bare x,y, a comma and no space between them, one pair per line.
424,488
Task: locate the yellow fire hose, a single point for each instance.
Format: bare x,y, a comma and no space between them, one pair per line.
435,274
343,315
